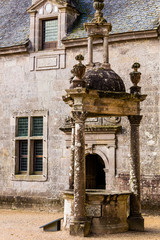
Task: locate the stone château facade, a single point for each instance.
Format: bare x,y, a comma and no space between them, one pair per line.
38,44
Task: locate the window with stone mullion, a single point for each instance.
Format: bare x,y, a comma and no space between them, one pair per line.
30,149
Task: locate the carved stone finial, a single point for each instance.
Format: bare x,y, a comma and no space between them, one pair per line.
135,77
79,58
98,5
78,72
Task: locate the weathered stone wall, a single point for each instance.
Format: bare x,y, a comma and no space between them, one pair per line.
23,90
149,189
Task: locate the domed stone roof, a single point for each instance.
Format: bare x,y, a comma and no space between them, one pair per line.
99,78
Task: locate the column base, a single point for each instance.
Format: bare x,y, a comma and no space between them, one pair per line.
136,223
90,65
135,89
106,65
80,228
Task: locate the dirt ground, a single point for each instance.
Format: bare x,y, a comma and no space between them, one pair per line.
24,225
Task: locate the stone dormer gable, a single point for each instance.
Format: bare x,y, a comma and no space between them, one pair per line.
59,3
50,21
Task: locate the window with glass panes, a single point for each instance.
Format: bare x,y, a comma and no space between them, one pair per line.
50,33
29,141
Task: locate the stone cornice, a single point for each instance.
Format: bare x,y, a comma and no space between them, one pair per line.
14,49
95,129
119,37
151,34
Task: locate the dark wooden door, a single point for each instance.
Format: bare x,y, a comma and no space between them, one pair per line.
95,176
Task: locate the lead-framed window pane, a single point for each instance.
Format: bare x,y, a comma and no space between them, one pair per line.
38,156
50,30
22,127
23,155
37,126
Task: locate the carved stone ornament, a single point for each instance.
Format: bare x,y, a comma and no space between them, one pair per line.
98,5
79,116
112,120
69,120
79,69
135,75
78,72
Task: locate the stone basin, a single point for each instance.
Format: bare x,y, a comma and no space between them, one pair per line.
107,210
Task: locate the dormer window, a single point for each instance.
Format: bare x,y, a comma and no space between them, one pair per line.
49,23
50,33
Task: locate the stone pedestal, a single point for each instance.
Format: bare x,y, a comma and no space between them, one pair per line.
135,220
80,228
136,223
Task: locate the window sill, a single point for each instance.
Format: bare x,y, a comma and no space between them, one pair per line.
29,178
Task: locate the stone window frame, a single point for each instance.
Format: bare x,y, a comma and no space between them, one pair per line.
29,176
64,21
39,37
44,43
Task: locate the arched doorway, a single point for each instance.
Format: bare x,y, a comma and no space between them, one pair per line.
95,175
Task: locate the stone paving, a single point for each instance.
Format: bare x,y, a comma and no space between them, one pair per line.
24,225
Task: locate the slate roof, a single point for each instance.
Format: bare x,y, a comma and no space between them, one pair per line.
125,16
14,22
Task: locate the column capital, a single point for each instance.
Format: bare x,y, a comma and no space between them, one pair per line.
135,119
79,116
69,121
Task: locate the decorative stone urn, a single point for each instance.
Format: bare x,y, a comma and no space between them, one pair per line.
78,72
98,5
135,77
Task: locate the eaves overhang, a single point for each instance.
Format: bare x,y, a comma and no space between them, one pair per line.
23,48
117,37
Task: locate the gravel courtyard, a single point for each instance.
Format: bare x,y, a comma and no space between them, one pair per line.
24,225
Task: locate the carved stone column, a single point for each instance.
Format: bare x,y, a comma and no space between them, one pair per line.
71,170
90,51
79,226
135,220
105,50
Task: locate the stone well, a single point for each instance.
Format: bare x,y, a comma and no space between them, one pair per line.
97,91
107,211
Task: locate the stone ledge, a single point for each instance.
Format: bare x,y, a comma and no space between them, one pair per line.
113,38
95,128
14,49
29,178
